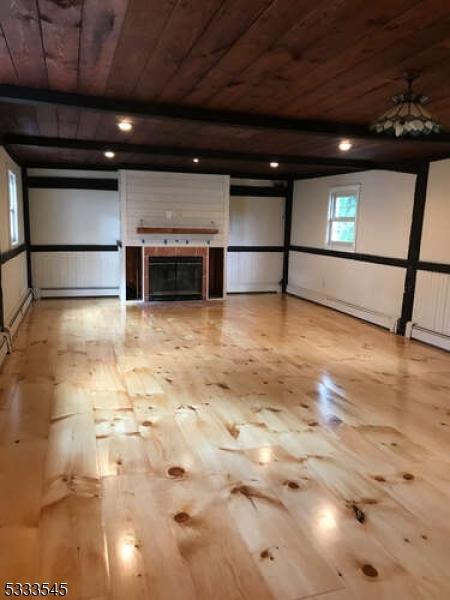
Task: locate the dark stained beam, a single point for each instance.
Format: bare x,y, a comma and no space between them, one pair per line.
258,191
75,144
40,97
415,239
72,183
83,166
26,224
255,249
287,233
150,166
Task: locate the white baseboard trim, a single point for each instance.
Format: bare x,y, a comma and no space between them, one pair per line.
15,322
3,349
430,337
77,292
386,321
253,287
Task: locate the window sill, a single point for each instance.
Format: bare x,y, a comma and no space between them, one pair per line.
341,247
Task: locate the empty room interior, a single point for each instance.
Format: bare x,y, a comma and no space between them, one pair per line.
225,299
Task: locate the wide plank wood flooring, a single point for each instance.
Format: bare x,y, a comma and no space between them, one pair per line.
261,448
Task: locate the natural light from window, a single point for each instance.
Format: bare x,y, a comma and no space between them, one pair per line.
13,214
342,218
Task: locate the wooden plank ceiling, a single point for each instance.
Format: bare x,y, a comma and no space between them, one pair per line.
332,60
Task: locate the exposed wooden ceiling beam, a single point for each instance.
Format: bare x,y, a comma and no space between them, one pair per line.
187,169
76,144
26,95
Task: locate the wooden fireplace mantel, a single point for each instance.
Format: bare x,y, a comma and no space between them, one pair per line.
202,230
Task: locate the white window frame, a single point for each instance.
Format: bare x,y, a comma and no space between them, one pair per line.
13,208
348,190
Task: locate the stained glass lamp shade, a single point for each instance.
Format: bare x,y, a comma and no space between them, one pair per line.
407,117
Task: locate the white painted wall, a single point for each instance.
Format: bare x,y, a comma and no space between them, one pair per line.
431,315
385,211
435,237
72,217
14,271
59,216
255,221
171,200
370,291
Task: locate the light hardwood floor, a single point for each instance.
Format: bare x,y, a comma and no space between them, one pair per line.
262,448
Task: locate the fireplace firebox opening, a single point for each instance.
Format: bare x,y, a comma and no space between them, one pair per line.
175,277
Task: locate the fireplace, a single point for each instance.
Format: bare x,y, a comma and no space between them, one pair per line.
175,277
181,273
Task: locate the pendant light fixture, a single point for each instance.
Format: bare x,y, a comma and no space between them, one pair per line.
407,117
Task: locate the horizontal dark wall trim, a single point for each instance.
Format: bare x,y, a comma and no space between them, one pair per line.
70,166
89,287
432,266
73,183
370,258
73,248
252,293
255,248
87,297
255,190
10,254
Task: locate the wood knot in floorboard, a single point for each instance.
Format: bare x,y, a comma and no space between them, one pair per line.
369,571
181,517
176,472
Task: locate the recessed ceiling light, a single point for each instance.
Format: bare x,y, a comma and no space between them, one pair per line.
125,125
345,145
196,160
274,165
109,154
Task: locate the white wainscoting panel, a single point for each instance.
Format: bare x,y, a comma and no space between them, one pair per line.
432,303
14,285
171,200
369,291
254,271
91,273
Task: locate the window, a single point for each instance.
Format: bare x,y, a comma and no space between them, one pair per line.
342,217
13,214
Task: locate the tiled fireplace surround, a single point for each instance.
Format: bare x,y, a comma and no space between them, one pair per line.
174,251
